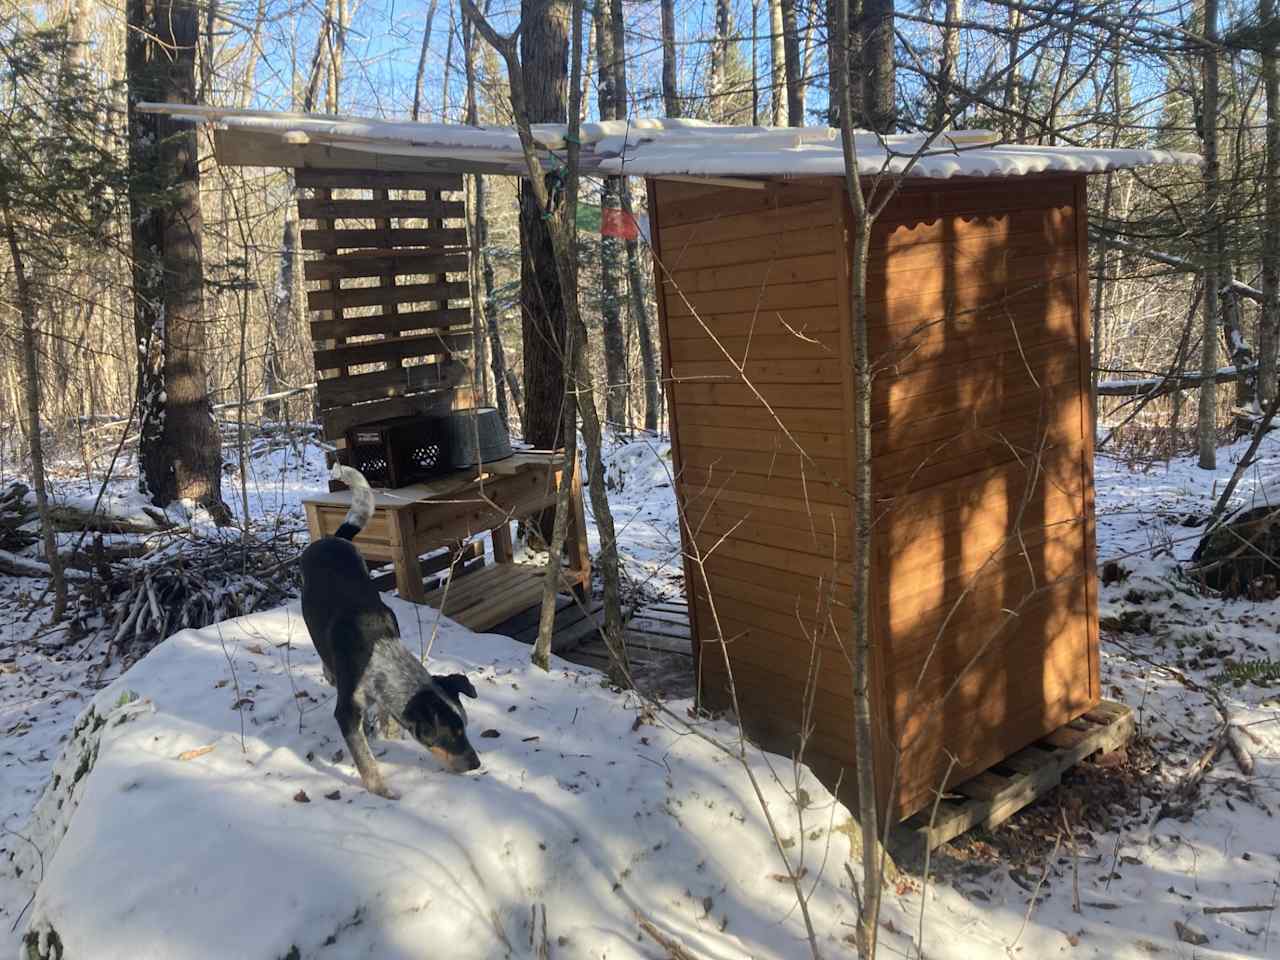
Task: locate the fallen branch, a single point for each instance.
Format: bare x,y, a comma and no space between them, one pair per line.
1251,908
17,566
1235,743
69,518
1160,386
1179,263
675,949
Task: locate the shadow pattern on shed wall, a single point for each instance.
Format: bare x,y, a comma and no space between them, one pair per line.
982,555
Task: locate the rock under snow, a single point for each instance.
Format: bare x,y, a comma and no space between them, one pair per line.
171,832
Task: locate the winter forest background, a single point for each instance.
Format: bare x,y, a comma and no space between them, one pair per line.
155,353
1105,74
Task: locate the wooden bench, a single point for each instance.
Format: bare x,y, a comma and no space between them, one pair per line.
418,519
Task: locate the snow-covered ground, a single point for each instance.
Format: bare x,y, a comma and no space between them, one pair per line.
592,814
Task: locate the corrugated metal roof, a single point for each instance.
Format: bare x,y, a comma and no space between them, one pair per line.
661,147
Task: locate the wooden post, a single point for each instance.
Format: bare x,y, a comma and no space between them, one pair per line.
576,536
313,522
503,549
408,569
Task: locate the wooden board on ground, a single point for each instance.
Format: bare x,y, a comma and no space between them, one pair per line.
995,795
660,628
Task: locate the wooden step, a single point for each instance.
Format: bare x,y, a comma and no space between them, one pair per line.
995,795
490,596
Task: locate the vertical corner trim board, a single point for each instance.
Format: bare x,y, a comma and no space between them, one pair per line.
981,447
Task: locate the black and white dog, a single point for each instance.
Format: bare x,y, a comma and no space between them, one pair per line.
358,640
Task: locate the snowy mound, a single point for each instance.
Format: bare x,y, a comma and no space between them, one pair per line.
186,837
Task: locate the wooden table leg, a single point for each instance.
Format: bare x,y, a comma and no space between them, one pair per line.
408,569
576,537
503,549
313,522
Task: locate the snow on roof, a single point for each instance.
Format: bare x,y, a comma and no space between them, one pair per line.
660,147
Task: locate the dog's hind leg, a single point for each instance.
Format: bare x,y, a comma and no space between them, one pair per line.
350,716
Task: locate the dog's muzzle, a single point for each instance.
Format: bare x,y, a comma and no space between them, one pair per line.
457,762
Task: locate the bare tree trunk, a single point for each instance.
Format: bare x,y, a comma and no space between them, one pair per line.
248,84
180,449
777,67
947,68
879,88
1269,320
670,92
35,438
644,333
791,63
541,656
497,354
1238,350
283,298
612,276
448,67
1008,124
563,233
477,226
755,63
339,22
544,52
846,65
635,278
806,55
716,107
861,494
1206,426
1099,300
422,63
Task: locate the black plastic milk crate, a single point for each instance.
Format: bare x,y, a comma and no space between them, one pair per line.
396,453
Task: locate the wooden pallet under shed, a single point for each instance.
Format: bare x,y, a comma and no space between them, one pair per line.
994,796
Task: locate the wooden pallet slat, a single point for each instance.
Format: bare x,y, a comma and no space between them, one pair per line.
377,179
401,263
332,240
994,795
398,323
378,296
569,638
654,642
339,420
392,349
524,626
323,209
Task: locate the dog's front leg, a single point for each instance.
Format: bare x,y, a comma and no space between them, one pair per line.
350,717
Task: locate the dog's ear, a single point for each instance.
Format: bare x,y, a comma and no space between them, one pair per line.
457,683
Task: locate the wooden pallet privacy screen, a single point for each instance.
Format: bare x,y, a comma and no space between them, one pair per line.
388,297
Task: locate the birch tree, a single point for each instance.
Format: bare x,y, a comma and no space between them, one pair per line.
1207,427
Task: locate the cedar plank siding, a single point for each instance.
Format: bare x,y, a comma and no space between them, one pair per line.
982,463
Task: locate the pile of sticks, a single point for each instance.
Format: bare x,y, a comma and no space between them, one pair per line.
192,584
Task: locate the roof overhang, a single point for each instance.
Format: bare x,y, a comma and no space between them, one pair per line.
659,148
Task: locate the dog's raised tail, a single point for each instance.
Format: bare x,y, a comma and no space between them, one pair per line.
361,501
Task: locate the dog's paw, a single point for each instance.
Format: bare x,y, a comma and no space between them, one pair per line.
382,790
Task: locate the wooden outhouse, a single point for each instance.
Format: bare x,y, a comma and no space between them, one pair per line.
984,613
984,617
